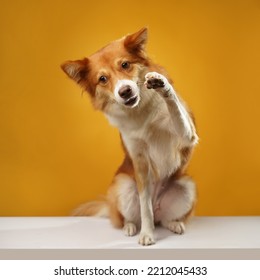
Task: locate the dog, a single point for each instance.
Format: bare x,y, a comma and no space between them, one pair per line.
157,132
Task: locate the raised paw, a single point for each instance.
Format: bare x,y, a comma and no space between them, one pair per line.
146,239
176,227
154,80
130,229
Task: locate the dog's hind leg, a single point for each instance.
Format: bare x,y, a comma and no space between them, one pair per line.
176,204
127,202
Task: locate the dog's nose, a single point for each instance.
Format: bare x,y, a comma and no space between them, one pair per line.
125,92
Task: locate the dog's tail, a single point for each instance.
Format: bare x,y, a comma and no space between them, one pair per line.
92,208
102,209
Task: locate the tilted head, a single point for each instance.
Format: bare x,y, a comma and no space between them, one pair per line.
115,73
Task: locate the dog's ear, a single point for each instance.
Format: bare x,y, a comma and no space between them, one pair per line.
135,43
76,70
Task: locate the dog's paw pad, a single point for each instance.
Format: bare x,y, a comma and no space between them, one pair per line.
154,80
176,227
130,229
146,239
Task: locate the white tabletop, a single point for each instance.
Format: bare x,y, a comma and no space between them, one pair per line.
93,233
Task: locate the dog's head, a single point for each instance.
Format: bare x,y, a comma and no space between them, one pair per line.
113,74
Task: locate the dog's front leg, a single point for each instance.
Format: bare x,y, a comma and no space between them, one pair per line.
183,123
147,221
142,177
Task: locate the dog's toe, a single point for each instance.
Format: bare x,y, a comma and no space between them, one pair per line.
176,227
154,80
130,229
146,239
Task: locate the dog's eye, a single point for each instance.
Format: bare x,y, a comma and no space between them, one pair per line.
125,65
103,79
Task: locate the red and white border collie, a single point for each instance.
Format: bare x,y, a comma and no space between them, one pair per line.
157,132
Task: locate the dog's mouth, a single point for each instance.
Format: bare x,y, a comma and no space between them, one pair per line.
127,93
132,101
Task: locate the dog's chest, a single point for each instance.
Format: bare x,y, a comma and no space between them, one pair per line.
154,141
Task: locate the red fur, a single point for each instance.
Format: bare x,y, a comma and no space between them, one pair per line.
156,122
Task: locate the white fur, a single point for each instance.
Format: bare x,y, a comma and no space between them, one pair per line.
130,229
177,201
128,199
147,221
176,227
156,128
171,98
135,90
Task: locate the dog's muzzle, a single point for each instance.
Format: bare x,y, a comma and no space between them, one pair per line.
127,93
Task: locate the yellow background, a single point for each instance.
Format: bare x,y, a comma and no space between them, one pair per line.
56,151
